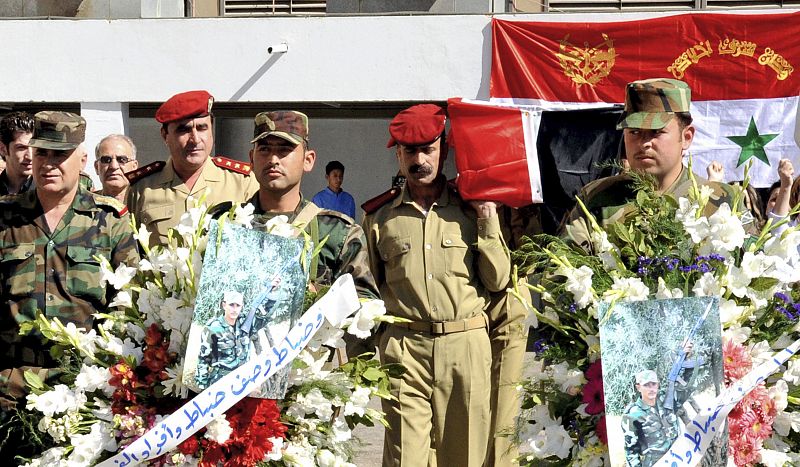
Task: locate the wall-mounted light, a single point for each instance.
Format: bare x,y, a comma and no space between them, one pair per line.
281,48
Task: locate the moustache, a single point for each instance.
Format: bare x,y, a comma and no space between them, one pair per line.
424,169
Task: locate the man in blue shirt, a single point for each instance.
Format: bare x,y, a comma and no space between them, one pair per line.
333,197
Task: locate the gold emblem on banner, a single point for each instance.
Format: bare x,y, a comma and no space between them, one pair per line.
587,64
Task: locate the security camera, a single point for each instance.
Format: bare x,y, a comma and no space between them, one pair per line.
281,48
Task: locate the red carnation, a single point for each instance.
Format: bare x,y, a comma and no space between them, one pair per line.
189,447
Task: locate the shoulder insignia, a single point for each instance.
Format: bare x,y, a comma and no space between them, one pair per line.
375,203
138,174
233,165
113,203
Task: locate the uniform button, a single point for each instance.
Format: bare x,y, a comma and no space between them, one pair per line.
430,276
49,298
51,243
28,254
427,246
434,308
53,272
448,241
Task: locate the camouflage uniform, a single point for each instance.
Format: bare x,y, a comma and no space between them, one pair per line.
224,348
648,432
344,252
612,199
54,272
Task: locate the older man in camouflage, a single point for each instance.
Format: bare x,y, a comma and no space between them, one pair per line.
50,238
280,156
657,130
225,345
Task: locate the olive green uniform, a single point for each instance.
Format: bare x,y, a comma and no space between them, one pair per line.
612,199
54,272
159,200
437,269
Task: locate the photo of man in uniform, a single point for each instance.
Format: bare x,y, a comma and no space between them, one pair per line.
225,344
650,424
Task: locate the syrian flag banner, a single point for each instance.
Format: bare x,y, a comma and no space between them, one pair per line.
520,155
740,67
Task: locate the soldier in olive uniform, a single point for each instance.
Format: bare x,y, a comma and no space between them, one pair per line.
657,130
159,192
49,240
648,427
225,345
436,258
280,156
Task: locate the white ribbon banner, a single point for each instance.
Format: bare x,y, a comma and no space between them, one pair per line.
338,303
693,442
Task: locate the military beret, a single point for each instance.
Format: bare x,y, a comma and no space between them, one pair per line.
417,125
185,105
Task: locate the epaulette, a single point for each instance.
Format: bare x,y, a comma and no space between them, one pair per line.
233,165
375,203
138,174
113,203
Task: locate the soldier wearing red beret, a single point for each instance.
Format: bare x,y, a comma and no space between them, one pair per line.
159,192
435,259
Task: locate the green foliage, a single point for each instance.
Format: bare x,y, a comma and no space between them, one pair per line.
366,371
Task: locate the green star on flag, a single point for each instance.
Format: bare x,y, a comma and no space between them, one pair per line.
752,144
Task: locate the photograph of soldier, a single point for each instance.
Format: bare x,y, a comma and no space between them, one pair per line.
662,365
650,424
225,344
251,293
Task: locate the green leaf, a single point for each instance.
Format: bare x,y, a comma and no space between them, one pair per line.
372,374
760,284
33,380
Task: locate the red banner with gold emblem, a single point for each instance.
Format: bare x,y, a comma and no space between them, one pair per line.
720,56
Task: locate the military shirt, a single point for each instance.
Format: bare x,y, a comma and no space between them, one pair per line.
160,199
611,199
648,432
223,348
55,272
344,252
438,266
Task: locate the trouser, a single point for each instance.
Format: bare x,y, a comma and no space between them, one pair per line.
442,398
508,337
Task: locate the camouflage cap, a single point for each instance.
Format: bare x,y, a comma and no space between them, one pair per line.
231,296
60,131
651,103
287,124
646,376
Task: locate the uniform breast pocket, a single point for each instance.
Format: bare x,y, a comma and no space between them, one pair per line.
394,253
158,214
18,269
458,256
83,272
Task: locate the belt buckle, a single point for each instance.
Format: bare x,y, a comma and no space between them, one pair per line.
437,327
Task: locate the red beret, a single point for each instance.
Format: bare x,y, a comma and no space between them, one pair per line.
185,105
417,125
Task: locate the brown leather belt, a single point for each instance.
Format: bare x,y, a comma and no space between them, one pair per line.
440,328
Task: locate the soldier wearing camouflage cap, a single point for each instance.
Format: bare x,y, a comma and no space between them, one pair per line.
159,192
280,156
657,131
436,258
50,238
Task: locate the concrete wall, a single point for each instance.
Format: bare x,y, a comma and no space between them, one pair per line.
431,6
